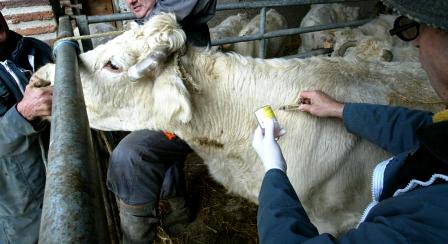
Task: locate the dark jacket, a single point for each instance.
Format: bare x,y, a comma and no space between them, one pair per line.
410,190
22,144
192,15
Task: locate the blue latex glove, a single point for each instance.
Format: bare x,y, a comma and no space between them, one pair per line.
267,148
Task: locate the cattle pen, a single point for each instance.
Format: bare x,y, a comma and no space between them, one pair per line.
77,206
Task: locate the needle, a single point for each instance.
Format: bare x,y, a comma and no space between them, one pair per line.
290,107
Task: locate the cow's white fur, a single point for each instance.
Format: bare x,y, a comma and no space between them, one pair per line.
209,98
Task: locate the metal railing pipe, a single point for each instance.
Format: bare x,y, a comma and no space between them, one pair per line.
109,18
276,3
72,209
221,7
287,32
262,42
83,27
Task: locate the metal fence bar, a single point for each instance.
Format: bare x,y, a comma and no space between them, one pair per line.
228,40
276,3
262,42
73,210
287,32
109,18
83,27
225,6
253,5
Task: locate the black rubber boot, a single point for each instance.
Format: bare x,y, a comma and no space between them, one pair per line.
138,223
175,215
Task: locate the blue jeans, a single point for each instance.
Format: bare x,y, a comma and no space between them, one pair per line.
147,165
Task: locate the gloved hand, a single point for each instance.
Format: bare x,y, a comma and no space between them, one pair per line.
267,148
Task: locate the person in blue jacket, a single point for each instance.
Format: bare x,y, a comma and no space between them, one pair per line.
410,190
147,165
23,136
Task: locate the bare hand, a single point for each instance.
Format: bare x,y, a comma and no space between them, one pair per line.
319,104
36,102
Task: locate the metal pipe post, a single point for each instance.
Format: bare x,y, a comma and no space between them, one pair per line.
276,3
262,42
72,210
83,27
110,18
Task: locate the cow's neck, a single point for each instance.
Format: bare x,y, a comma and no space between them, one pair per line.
231,89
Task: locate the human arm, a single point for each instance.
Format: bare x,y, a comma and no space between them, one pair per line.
281,217
36,102
16,132
319,104
392,128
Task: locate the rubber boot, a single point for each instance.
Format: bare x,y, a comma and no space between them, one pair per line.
138,223
175,215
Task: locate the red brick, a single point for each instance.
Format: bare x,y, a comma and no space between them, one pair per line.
36,30
17,18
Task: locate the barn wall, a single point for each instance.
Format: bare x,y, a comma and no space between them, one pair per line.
34,18
98,7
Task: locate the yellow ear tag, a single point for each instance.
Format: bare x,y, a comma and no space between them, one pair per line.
440,116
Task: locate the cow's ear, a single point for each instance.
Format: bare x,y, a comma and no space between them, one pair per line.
171,99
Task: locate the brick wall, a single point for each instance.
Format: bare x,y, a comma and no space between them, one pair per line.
34,18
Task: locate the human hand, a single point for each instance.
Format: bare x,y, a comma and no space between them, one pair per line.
36,102
267,147
319,104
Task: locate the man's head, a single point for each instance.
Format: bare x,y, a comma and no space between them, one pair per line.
425,22
140,8
3,29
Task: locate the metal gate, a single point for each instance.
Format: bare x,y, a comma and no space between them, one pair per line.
84,21
74,209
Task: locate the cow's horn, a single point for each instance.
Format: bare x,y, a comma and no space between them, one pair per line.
343,48
149,66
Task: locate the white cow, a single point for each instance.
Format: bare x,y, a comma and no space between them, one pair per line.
372,41
148,78
320,14
274,21
229,27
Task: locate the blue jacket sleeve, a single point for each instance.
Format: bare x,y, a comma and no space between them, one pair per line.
391,128
15,133
281,217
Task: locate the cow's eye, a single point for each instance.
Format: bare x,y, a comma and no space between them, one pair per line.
112,67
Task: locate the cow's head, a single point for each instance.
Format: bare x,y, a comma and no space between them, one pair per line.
133,81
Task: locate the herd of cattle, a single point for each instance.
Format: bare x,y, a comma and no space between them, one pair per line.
208,98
